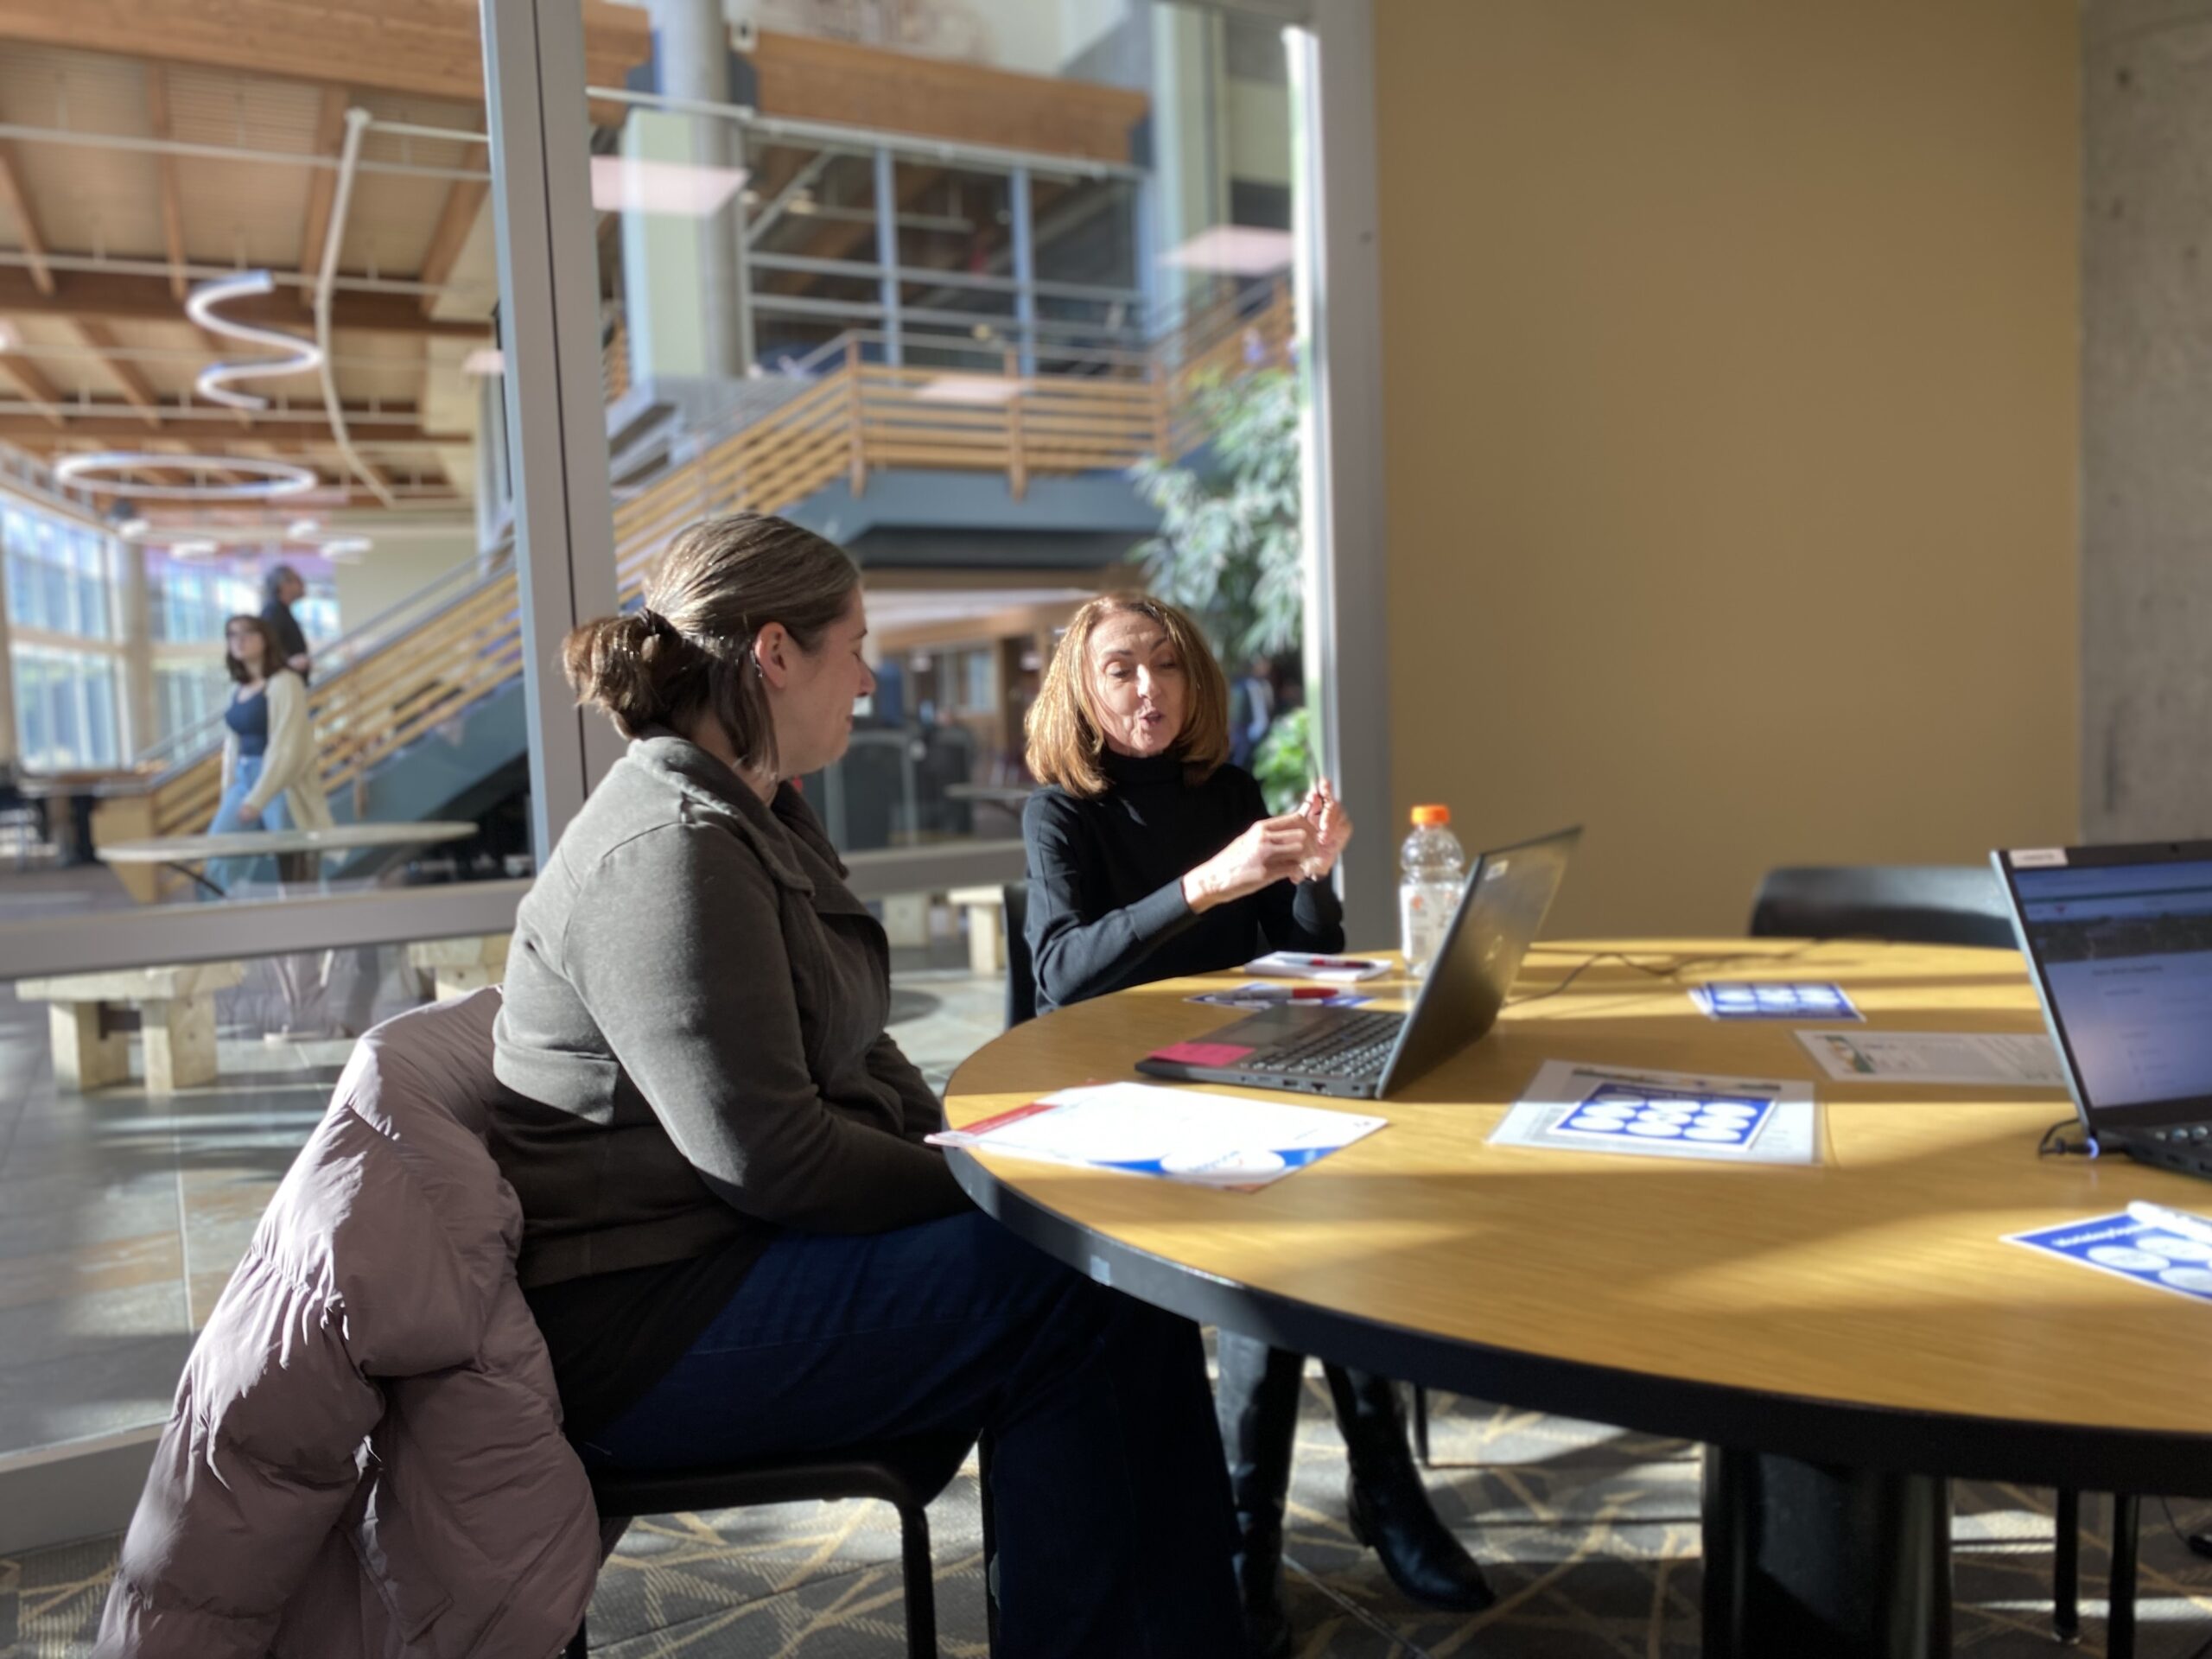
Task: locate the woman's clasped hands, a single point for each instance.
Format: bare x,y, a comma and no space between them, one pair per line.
1302,845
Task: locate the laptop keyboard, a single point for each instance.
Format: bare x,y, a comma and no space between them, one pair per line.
1348,1047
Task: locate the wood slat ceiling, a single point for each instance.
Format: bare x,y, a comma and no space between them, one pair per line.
107,357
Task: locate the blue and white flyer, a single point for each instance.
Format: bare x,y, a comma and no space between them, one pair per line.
2128,1249
1175,1135
1571,1106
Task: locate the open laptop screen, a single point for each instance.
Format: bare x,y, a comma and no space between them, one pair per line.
2124,953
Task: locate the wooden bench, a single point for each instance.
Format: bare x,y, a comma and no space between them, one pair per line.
458,966
986,908
173,1008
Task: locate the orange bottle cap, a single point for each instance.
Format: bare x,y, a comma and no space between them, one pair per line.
1425,816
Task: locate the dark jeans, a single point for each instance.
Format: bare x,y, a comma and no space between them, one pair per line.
1113,1519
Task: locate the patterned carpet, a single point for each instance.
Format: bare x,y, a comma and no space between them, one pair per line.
1589,1534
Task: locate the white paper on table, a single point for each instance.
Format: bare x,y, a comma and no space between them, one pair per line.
1178,1135
1790,1135
1304,964
1960,1058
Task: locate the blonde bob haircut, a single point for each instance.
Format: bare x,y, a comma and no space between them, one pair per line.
1065,744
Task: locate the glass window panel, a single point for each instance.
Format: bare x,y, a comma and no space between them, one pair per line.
955,219
1085,231
32,737
104,742
814,203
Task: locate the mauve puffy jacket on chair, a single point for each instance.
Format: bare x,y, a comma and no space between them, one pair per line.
365,1459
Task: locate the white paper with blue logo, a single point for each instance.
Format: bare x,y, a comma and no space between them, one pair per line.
1176,1135
1746,999
1575,1108
2128,1249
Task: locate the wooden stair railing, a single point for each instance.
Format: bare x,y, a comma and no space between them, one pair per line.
856,417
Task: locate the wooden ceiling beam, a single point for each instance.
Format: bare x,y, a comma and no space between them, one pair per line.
455,220
137,390
322,188
428,49
37,388
109,420
157,116
127,297
18,202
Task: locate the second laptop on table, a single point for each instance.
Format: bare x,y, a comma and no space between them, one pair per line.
1364,1053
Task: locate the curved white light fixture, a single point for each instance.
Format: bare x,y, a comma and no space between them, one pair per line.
194,547
345,549
271,478
300,354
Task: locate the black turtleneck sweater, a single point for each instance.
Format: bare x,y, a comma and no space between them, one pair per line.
1106,906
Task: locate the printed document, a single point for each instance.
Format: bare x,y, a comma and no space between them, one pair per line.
1177,1135
1965,1058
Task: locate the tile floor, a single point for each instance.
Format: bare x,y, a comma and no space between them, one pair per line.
121,1216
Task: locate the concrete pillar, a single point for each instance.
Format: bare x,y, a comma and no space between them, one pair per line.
683,279
1190,181
2146,418
140,727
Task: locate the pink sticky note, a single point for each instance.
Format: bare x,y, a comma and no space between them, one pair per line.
1201,1053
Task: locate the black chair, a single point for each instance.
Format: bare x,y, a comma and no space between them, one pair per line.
907,1474
1949,903
1916,904
1020,972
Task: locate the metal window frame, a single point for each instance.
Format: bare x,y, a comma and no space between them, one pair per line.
550,337
1338,286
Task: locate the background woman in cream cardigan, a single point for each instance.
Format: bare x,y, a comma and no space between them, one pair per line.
271,769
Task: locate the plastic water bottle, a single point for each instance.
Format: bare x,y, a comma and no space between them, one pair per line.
1432,865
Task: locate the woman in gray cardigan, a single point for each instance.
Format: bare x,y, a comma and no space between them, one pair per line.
735,1240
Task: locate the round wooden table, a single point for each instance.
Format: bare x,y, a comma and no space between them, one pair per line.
1862,1317
298,852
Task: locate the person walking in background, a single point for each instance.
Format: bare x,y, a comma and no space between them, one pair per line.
1251,711
1150,858
272,771
281,589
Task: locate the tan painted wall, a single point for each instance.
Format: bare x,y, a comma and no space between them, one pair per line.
1730,419
397,568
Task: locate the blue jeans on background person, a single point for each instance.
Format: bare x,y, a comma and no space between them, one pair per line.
1113,1522
231,873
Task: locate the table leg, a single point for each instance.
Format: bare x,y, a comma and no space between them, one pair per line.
2066,1568
305,980
1819,1562
2119,1616
80,829
189,874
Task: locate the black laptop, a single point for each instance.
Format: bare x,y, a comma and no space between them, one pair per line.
1364,1053
2118,941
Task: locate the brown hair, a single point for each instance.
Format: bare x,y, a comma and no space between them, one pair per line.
1064,741
272,654
689,649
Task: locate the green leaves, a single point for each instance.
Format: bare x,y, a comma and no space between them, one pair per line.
1286,763
1229,550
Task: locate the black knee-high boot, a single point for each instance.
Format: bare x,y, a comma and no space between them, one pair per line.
1257,1401
1388,1505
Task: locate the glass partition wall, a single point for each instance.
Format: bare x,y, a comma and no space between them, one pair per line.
952,314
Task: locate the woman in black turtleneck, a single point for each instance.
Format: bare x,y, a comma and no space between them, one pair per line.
1148,858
